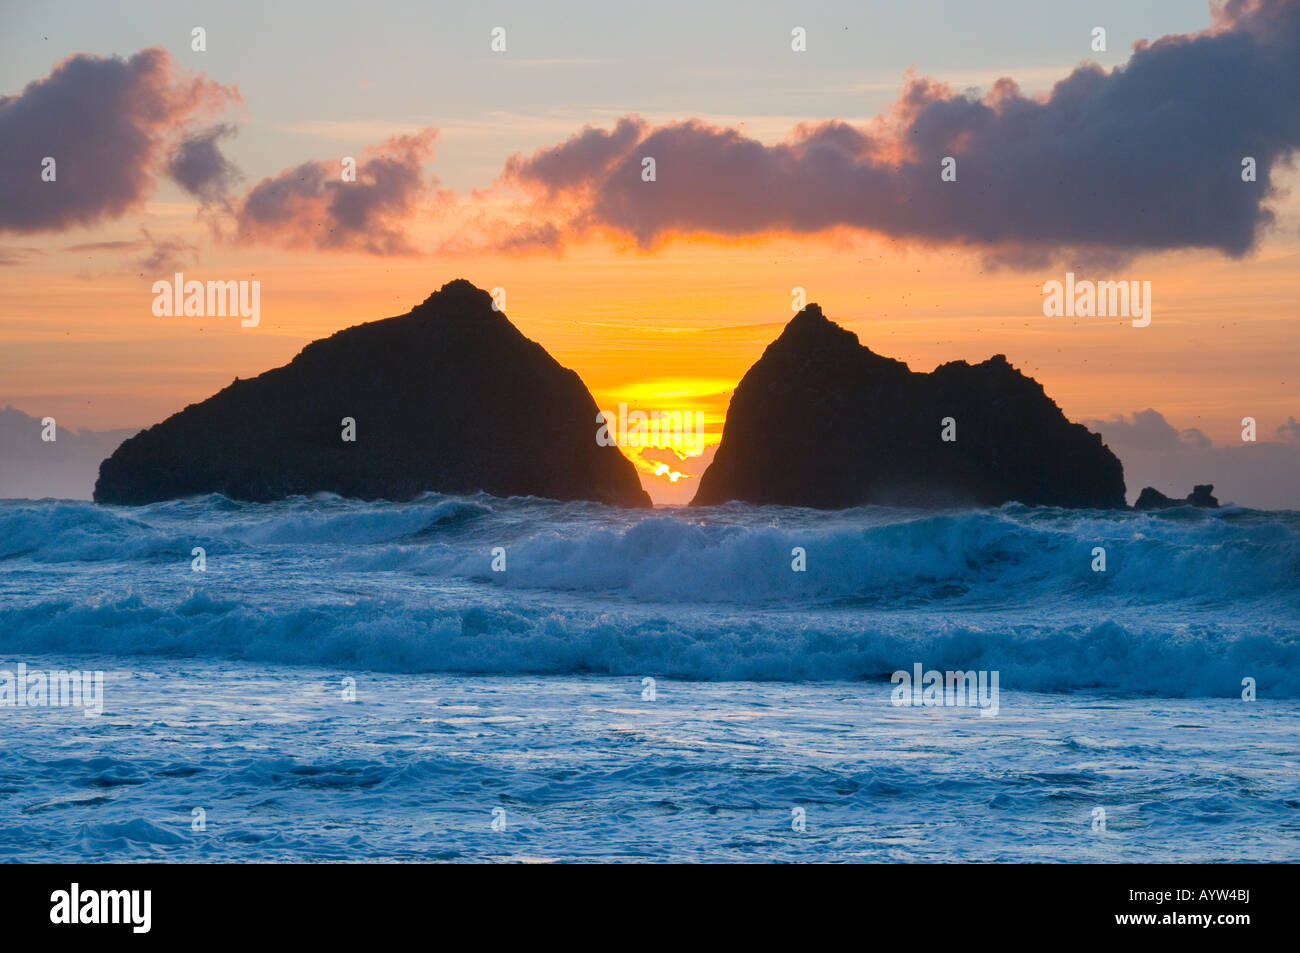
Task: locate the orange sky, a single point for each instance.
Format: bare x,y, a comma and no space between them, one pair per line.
674,329
669,329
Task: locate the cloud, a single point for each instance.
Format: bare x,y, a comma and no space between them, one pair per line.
668,476
199,168
1264,475
17,255
90,248
310,206
587,156
1146,430
156,254
65,468
1289,432
110,125
1146,157
165,254
666,464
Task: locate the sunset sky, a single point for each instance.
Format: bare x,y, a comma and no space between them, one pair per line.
775,169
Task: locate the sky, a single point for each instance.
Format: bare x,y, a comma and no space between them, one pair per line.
776,169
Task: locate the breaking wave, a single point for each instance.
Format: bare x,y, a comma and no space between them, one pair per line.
1190,601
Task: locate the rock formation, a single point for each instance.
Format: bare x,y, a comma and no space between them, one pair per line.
450,397
822,421
1152,499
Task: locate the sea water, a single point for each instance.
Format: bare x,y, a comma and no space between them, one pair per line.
349,681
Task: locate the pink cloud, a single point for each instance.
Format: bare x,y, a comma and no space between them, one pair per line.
109,124
311,206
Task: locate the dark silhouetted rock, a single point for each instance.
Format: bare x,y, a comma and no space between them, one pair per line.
449,398
822,421
1152,499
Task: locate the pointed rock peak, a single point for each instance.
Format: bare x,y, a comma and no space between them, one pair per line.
821,420
999,364
812,319
999,368
417,388
810,330
810,326
458,294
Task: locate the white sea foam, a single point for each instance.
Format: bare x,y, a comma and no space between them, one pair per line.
1191,601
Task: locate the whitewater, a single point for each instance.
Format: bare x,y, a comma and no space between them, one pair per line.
352,680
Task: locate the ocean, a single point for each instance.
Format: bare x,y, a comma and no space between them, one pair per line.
353,681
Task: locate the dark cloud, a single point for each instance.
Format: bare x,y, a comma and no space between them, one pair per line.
199,168
165,254
1263,474
108,123
1145,157
588,155
310,206
1146,430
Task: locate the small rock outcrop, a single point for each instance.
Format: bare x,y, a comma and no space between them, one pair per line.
822,421
1152,499
449,398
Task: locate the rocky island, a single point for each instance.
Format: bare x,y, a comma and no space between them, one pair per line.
822,421
449,398
1202,495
